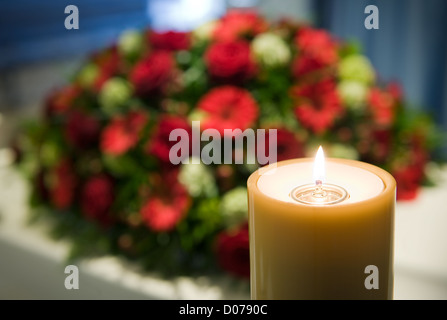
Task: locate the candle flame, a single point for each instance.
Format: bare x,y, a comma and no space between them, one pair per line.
319,172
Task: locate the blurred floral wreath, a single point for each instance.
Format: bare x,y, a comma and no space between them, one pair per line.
99,158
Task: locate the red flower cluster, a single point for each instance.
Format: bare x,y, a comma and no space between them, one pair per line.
239,24
376,146
410,175
228,107
383,106
159,144
170,40
167,204
317,105
97,196
151,74
317,51
230,61
408,179
82,130
63,185
233,251
62,100
123,133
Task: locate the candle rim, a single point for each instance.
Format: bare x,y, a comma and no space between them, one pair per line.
389,182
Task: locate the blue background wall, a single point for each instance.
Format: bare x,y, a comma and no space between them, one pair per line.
410,45
33,30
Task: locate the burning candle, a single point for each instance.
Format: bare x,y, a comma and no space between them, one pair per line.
321,229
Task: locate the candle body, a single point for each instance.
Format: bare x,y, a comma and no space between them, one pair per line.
321,252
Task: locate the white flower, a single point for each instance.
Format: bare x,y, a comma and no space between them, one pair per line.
197,179
234,207
87,75
271,50
353,93
356,67
204,31
130,42
114,94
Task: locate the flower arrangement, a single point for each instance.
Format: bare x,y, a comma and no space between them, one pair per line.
99,159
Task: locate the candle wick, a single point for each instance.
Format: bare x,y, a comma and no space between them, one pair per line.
319,192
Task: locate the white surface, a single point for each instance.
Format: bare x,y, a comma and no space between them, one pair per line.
32,266
421,244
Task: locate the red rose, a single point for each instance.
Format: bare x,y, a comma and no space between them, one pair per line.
316,51
123,133
317,105
287,145
317,44
63,185
159,144
96,199
151,74
170,40
62,100
410,175
378,145
239,24
303,65
228,107
383,106
160,214
233,252
168,203
230,61
82,130
408,180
